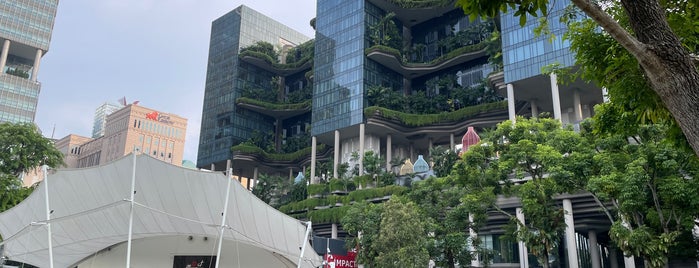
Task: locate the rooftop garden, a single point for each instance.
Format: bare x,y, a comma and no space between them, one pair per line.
295,57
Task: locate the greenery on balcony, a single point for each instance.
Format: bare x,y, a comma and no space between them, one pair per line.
475,38
249,148
421,3
18,72
296,57
440,94
428,119
301,53
275,106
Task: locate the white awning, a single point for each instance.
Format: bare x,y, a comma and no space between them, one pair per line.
91,212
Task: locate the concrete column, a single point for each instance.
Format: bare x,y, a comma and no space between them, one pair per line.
3,55
430,144
475,262
629,262
37,62
291,175
594,249
313,160
336,155
613,258
389,154
523,254
555,95
577,108
451,141
535,109
255,173
571,246
333,231
361,149
511,102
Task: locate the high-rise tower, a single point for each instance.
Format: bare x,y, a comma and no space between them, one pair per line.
25,34
222,125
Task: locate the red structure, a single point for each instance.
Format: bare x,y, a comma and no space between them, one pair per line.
470,138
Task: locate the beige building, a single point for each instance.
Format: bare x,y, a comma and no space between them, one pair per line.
132,128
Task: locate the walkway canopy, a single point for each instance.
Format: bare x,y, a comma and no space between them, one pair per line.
90,212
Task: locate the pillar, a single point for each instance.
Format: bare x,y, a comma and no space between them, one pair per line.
556,97
361,149
475,262
3,55
429,145
571,246
511,102
535,109
594,249
255,173
313,160
333,231
613,258
412,152
451,141
37,62
388,152
336,155
523,254
577,108
291,175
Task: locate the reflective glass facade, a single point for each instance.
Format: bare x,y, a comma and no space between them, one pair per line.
222,124
524,54
338,97
25,29
18,99
29,22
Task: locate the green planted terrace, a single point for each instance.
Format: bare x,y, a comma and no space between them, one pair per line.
331,208
248,148
275,106
417,120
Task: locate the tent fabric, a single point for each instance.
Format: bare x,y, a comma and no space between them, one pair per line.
91,212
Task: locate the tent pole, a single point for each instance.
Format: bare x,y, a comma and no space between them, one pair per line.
305,241
44,169
229,171
133,192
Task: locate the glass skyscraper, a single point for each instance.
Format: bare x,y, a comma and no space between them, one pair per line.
25,34
222,125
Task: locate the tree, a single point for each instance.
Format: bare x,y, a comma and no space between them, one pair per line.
270,189
392,234
402,236
22,149
364,218
439,199
444,159
651,183
550,160
665,58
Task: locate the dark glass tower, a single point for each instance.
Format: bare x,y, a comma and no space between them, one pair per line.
222,125
25,34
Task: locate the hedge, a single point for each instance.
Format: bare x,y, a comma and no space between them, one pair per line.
252,149
417,120
275,106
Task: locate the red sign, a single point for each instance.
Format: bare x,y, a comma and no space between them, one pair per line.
340,261
152,116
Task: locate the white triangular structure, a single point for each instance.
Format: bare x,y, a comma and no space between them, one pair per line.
177,213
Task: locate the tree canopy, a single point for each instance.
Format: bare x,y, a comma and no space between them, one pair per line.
661,36
22,148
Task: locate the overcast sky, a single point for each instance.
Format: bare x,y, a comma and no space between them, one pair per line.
153,51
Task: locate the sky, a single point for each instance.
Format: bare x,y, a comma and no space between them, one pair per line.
151,51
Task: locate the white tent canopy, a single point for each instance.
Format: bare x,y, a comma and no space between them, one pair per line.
91,213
